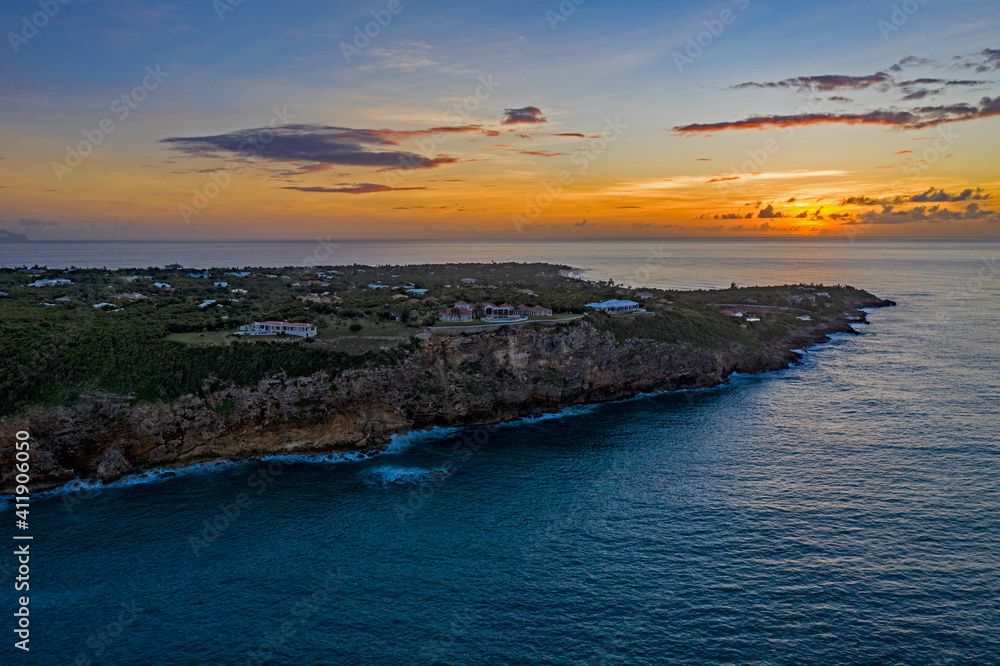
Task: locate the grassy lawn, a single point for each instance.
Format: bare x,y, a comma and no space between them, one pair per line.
223,338
207,338
369,328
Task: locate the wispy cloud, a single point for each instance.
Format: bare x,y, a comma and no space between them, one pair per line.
823,83
357,188
918,118
912,89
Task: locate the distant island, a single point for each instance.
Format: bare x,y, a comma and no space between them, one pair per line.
11,237
119,372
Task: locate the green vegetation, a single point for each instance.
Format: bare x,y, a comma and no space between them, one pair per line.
177,339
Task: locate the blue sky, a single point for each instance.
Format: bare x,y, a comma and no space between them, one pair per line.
228,68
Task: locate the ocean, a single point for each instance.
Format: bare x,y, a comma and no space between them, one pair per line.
844,510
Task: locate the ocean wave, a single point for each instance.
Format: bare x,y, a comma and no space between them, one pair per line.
384,476
328,458
403,441
79,485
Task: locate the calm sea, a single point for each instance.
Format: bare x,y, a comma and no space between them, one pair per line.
845,510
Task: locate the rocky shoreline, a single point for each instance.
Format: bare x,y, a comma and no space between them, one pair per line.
467,380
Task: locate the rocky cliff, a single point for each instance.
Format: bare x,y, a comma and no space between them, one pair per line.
449,380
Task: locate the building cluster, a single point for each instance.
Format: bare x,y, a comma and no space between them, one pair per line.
504,312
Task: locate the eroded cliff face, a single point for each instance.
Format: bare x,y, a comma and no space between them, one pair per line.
450,380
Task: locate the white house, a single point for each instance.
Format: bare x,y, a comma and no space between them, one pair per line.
278,328
615,306
50,283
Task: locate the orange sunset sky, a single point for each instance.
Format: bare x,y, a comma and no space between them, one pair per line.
580,119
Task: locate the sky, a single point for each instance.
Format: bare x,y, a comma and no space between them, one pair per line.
129,119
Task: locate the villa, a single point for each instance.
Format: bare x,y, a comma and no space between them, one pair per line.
504,309
534,311
130,297
615,306
279,328
456,314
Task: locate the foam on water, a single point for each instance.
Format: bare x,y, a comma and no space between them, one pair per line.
385,475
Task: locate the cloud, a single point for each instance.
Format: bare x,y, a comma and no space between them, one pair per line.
912,89
317,144
920,93
765,227
932,195
769,212
537,153
731,216
628,206
923,214
526,114
576,134
722,178
918,118
909,61
355,188
824,83
987,60
916,89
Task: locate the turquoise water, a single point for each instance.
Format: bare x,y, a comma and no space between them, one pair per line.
845,510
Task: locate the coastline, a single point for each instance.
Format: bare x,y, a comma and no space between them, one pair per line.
533,372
